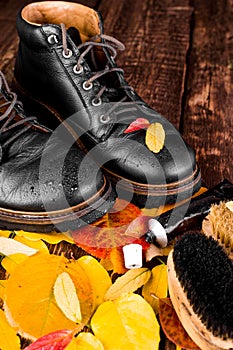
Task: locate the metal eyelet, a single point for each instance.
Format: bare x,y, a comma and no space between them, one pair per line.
76,70
68,54
132,92
87,86
104,118
52,39
96,102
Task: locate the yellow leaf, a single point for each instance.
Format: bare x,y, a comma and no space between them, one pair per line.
12,261
39,244
157,286
128,283
2,288
155,137
8,338
66,297
5,233
52,237
9,246
85,341
29,299
126,323
98,277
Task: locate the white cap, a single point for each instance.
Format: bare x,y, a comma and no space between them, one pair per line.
133,256
159,232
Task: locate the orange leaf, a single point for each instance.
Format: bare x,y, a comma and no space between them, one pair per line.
139,123
118,262
53,341
109,232
172,327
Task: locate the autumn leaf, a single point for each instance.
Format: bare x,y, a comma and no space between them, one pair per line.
156,285
155,137
118,261
107,264
52,237
98,278
229,205
2,289
5,233
9,263
109,232
57,340
126,323
139,123
66,297
8,338
128,283
39,244
172,326
9,246
34,312
85,341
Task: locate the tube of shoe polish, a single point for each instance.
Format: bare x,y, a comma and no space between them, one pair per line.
167,226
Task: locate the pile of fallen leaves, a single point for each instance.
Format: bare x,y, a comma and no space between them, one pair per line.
58,303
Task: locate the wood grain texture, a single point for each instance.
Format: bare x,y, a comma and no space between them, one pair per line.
179,58
156,36
208,122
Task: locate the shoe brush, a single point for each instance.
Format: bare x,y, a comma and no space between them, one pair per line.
219,225
200,280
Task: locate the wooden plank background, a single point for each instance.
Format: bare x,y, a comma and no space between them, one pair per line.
179,58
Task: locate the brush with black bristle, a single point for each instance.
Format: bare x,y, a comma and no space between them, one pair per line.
200,280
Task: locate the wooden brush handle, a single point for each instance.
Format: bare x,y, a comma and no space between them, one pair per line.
190,215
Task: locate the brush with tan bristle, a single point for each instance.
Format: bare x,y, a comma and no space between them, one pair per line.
219,225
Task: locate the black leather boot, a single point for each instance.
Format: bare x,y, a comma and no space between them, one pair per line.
46,182
65,67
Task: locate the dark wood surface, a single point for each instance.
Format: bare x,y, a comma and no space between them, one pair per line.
179,58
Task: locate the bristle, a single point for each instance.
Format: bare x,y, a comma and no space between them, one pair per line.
221,219
206,276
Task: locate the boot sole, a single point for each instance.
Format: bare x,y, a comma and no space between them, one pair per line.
143,195
63,220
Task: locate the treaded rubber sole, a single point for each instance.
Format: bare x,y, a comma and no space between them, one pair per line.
61,220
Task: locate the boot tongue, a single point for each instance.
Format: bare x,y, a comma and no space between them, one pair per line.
74,35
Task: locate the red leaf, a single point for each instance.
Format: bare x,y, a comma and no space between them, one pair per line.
114,230
172,326
139,123
53,341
